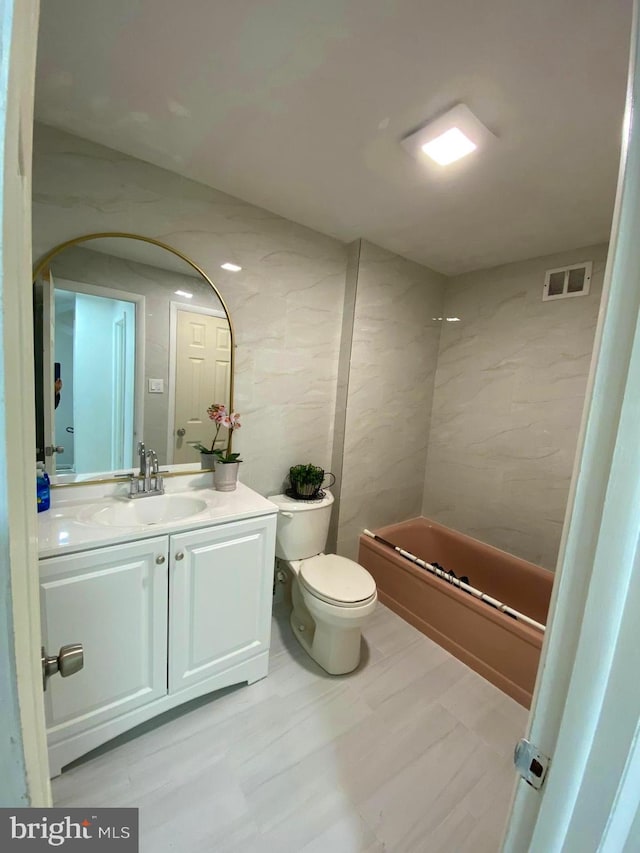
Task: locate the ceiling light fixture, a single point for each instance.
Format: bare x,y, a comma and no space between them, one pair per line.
448,138
450,146
231,267
183,293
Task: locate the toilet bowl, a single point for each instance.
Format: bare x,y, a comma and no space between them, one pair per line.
332,596
326,626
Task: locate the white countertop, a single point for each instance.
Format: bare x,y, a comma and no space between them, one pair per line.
63,529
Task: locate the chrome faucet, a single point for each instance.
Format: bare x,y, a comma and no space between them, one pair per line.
142,455
148,481
150,470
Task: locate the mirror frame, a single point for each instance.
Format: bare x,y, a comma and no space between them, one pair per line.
41,265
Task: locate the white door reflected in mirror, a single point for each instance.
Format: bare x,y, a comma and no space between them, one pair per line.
202,349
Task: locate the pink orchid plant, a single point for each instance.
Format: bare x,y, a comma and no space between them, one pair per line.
230,420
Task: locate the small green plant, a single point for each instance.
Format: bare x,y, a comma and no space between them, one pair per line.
306,479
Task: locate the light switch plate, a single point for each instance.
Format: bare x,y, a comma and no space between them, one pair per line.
156,386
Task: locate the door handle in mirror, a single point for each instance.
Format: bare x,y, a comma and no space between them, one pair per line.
68,661
51,449
182,431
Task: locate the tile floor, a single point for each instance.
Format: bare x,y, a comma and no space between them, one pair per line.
412,752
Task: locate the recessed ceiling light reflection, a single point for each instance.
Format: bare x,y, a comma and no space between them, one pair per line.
184,293
231,267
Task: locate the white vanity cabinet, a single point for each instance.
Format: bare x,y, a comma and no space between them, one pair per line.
115,600
219,600
162,620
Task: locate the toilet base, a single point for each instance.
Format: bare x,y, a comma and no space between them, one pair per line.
336,652
334,647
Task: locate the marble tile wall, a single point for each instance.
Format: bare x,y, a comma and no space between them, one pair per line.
394,352
508,399
286,304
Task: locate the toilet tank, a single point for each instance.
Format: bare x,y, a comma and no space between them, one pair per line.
303,526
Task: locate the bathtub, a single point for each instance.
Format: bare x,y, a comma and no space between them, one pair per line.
503,650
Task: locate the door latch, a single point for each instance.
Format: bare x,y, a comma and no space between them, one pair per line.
50,449
68,661
531,763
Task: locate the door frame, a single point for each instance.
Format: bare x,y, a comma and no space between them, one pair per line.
174,308
44,365
23,747
138,300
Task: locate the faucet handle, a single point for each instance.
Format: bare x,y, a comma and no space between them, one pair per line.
134,484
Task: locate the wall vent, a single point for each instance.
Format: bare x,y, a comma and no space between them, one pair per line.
564,282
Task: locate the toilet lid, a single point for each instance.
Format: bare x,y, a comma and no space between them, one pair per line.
337,579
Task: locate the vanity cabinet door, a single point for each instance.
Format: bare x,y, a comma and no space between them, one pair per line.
113,601
220,592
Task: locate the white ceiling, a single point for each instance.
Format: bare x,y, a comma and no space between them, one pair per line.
299,106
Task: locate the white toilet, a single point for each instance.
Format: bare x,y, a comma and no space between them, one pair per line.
332,596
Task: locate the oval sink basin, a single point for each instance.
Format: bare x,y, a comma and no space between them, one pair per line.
159,509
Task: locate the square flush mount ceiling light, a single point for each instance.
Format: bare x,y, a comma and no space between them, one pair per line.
449,137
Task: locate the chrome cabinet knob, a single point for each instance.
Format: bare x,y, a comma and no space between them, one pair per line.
160,560
68,661
180,555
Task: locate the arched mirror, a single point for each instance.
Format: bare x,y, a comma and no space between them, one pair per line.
132,342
